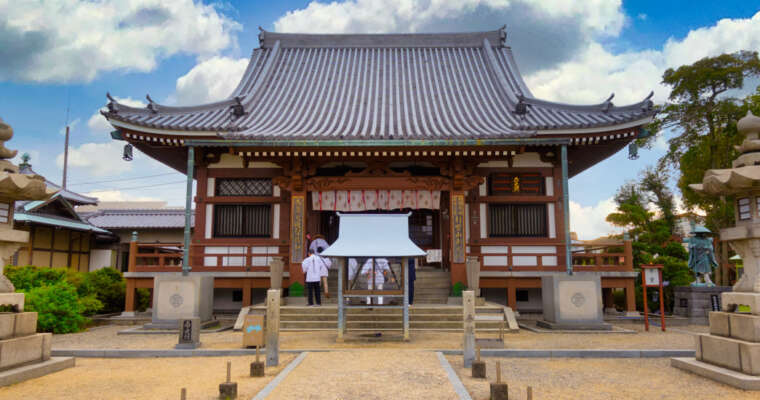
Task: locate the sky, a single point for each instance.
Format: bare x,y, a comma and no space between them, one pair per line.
190,52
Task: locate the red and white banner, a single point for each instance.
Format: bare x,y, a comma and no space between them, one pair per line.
364,200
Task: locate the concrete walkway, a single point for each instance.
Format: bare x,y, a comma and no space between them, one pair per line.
367,374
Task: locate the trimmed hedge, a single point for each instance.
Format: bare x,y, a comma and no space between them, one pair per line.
59,308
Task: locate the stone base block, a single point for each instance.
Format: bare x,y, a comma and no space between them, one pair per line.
176,297
716,373
478,369
695,302
731,300
228,390
575,327
257,369
572,302
25,349
737,326
17,324
737,355
16,299
36,370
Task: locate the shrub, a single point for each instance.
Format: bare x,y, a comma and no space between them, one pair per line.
108,287
295,290
456,290
58,307
29,277
143,299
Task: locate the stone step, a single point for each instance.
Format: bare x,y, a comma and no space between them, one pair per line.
352,325
372,317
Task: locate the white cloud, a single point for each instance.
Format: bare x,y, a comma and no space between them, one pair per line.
98,123
211,80
589,222
642,16
595,72
72,40
98,159
376,16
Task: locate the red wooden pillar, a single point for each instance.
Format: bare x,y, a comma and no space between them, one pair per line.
630,296
129,301
512,295
246,292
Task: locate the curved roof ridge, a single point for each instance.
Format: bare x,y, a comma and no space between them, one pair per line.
383,40
156,107
645,103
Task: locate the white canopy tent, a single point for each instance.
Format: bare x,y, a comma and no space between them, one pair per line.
373,235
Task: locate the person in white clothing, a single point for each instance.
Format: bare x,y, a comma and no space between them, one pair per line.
378,278
314,268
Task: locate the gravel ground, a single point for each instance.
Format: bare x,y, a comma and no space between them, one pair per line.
367,375
105,337
592,379
146,378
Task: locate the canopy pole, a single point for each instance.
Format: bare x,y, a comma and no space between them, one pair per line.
405,266
566,210
341,322
188,210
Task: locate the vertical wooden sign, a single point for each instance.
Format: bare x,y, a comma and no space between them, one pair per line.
457,228
296,228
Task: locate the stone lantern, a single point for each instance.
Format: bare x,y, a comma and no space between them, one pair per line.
24,353
730,353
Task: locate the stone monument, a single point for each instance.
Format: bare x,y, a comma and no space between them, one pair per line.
24,353
730,353
572,302
177,297
696,300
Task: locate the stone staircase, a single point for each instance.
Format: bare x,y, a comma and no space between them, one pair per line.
431,287
421,318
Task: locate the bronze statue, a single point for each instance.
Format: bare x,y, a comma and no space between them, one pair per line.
701,256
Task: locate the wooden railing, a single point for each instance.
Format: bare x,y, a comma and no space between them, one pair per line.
600,258
217,256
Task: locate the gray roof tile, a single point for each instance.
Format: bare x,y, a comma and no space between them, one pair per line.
138,219
404,86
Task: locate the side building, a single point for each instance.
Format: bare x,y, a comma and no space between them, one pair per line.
438,125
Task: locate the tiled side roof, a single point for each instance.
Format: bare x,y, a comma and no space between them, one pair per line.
411,86
138,219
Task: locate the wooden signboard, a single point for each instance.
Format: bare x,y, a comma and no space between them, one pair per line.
652,277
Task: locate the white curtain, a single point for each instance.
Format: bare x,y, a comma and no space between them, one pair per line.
363,200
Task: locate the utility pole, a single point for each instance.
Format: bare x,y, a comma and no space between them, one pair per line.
65,156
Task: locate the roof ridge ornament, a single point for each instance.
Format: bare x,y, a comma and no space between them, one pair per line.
113,105
607,104
237,110
262,33
648,104
503,35
152,105
521,108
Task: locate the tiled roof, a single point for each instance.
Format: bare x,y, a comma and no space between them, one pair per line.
405,86
138,219
58,222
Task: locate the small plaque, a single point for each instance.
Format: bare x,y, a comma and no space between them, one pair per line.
715,302
189,333
652,276
682,302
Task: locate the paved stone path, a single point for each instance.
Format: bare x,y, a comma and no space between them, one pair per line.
367,374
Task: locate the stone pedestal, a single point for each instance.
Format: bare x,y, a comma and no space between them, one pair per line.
177,297
695,302
730,353
572,302
276,269
189,333
472,268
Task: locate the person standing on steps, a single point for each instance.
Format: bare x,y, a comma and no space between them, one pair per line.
313,268
381,269
318,245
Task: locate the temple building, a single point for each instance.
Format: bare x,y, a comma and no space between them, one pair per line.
439,125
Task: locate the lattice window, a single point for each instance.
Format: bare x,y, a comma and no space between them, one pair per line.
744,211
250,220
244,187
517,220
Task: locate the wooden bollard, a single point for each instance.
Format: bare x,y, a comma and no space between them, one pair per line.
478,366
228,390
257,367
530,393
499,390
183,394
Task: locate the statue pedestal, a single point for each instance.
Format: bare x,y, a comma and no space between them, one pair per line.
695,302
177,297
572,302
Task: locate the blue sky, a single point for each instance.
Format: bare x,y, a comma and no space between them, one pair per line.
186,52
